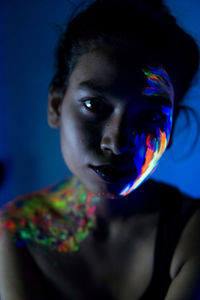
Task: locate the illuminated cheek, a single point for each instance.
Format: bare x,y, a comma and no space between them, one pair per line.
148,155
140,151
158,84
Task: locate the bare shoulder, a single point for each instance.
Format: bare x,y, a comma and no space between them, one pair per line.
188,247
17,268
23,216
50,217
16,214
11,260
22,221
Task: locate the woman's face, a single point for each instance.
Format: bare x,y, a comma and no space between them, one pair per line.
115,122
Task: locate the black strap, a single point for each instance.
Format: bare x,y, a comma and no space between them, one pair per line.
173,219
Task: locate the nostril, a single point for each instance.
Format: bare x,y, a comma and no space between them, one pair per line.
117,144
114,149
105,148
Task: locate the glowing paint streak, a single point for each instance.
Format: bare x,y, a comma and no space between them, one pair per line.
149,157
159,83
151,161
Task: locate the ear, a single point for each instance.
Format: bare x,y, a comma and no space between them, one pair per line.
54,108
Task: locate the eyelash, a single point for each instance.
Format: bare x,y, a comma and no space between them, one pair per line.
144,116
94,100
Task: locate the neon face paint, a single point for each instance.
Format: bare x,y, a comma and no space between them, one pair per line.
153,144
159,83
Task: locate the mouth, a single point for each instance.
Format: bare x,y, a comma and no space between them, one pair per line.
110,174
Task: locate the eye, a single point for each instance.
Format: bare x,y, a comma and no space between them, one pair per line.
152,117
95,105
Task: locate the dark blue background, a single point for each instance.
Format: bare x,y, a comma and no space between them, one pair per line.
28,147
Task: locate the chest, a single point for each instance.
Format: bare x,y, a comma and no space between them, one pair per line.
118,266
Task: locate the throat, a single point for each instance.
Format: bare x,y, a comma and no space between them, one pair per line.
144,200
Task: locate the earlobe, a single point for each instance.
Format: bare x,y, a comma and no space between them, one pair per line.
54,109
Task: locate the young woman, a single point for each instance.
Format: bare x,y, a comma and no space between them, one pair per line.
123,68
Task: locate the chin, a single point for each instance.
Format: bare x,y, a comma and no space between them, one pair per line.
105,189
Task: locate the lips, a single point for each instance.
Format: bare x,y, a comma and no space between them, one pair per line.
111,174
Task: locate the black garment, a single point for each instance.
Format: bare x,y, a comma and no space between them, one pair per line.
176,211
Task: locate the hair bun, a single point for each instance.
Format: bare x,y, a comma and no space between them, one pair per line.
155,6
154,2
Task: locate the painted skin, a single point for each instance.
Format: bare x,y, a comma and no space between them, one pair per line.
108,123
156,143
104,118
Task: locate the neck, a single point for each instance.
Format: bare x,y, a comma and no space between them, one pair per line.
143,200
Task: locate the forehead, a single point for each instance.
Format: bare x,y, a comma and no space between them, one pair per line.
106,66
107,69
110,74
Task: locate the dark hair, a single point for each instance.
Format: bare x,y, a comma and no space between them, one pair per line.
118,23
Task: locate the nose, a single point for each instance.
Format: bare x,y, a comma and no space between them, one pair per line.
116,136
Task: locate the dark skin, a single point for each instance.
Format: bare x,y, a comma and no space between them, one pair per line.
116,259
96,133
109,140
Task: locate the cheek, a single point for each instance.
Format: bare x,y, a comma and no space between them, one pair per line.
157,143
152,145
78,138
70,138
147,157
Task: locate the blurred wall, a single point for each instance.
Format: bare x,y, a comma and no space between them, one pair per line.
30,149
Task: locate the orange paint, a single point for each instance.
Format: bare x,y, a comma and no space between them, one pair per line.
149,156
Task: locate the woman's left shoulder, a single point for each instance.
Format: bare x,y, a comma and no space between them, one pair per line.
188,247
190,238
27,216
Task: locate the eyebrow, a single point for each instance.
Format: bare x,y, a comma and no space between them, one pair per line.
93,85
103,89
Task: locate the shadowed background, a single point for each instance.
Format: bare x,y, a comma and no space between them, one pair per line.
30,156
